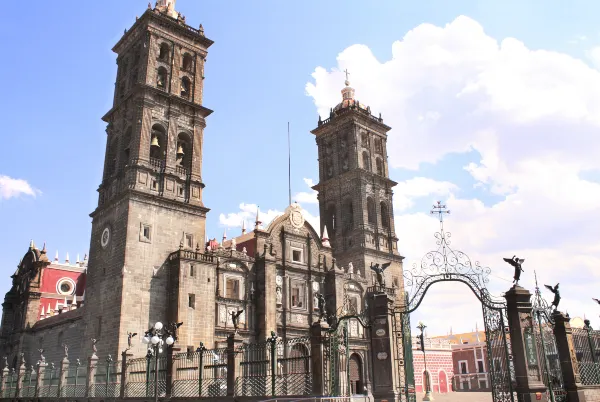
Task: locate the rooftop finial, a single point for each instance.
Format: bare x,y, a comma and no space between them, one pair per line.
44,248
244,227
56,256
258,222
168,7
67,259
347,82
31,245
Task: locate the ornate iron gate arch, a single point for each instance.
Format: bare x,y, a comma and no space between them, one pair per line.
447,265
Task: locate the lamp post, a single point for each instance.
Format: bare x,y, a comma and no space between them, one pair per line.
155,338
428,396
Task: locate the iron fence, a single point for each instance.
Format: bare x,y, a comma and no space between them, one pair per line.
10,387
29,383
107,379
50,381
200,373
277,367
587,350
75,381
141,376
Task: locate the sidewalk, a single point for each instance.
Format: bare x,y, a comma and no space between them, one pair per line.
461,397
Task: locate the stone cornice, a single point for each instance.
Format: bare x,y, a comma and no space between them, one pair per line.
181,29
154,200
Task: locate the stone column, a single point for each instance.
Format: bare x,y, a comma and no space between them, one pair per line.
170,370
62,379
5,373
90,385
124,377
382,358
41,372
318,337
231,365
568,360
525,358
20,377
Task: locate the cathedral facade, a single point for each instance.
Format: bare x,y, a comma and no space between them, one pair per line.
149,259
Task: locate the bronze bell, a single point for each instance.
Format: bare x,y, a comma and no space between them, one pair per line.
179,151
154,142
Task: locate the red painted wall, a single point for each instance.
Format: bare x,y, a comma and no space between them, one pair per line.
51,276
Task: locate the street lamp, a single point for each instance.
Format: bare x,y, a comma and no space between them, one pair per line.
155,338
428,396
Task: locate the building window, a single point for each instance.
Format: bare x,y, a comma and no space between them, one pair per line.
189,240
482,384
192,271
154,185
157,146
297,255
348,216
353,305
366,161
163,53
161,78
463,367
192,300
145,233
379,166
364,140
187,62
480,366
298,291
65,286
232,288
371,215
378,146
395,282
385,218
186,86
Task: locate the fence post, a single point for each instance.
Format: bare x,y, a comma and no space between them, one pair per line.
317,339
567,357
5,372
123,374
62,379
39,381
170,367
519,312
20,376
90,385
273,347
231,365
200,351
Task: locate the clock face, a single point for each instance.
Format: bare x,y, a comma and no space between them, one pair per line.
105,237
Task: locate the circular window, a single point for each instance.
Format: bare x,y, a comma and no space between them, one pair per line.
65,286
105,237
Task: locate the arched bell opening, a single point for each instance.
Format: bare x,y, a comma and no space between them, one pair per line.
158,146
183,156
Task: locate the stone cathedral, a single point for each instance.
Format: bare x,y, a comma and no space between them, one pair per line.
149,259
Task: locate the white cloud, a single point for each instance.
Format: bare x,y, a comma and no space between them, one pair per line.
309,197
533,116
10,188
408,191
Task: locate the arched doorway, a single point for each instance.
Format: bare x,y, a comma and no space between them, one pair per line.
443,379
356,381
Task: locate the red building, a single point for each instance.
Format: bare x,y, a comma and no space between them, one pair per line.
62,286
440,369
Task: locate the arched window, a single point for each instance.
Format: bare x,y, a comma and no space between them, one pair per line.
184,151
111,158
126,145
187,62
186,86
348,216
371,214
157,145
162,78
379,165
385,218
366,161
163,54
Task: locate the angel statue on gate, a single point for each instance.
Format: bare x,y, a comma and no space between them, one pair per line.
379,273
516,263
235,319
556,295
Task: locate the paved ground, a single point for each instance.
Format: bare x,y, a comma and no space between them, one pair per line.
461,397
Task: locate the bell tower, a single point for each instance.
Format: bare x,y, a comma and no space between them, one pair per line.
355,191
150,199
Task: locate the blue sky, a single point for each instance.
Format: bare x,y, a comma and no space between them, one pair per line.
59,77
